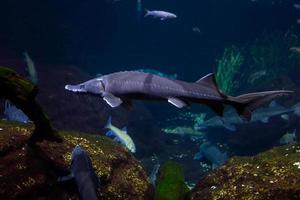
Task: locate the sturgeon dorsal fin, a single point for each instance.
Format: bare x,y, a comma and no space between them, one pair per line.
210,81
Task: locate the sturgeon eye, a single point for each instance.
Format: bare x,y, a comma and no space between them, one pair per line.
81,86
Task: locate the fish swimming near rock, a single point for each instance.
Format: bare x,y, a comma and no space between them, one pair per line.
184,130
231,118
12,113
288,138
162,15
120,136
211,153
123,87
84,175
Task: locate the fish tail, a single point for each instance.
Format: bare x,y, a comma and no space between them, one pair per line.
147,12
247,103
108,123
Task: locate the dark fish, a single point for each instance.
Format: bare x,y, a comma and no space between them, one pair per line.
122,87
82,171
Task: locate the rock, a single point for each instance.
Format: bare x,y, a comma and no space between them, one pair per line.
31,172
273,174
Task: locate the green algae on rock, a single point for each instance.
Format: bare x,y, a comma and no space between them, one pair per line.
22,92
31,172
170,184
274,174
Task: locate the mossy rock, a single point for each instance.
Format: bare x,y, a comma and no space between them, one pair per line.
22,92
274,174
28,172
170,183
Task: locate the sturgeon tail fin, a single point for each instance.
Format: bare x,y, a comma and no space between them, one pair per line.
247,103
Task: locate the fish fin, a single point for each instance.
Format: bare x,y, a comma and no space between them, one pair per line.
124,129
112,100
162,19
198,156
229,126
108,123
177,102
285,117
110,134
265,120
245,104
147,12
65,178
210,81
116,139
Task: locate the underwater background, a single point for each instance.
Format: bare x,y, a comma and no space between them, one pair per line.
250,45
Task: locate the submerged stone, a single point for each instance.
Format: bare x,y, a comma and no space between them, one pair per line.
31,172
274,174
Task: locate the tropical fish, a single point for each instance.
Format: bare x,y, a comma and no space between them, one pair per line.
123,87
31,68
211,153
231,118
120,136
288,138
158,73
12,113
183,130
162,15
84,175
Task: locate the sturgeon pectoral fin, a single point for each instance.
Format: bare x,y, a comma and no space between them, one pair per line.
177,102
112,100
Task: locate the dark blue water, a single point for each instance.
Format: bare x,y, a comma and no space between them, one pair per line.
104,36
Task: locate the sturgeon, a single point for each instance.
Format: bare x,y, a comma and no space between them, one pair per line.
123,87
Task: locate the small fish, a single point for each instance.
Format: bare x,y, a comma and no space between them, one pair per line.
196,29
211,153
257,75
297,6
231,118
31,68
1,129
162,15
12,113
120,136
155,169
83,173
183,130
295,49
288,138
